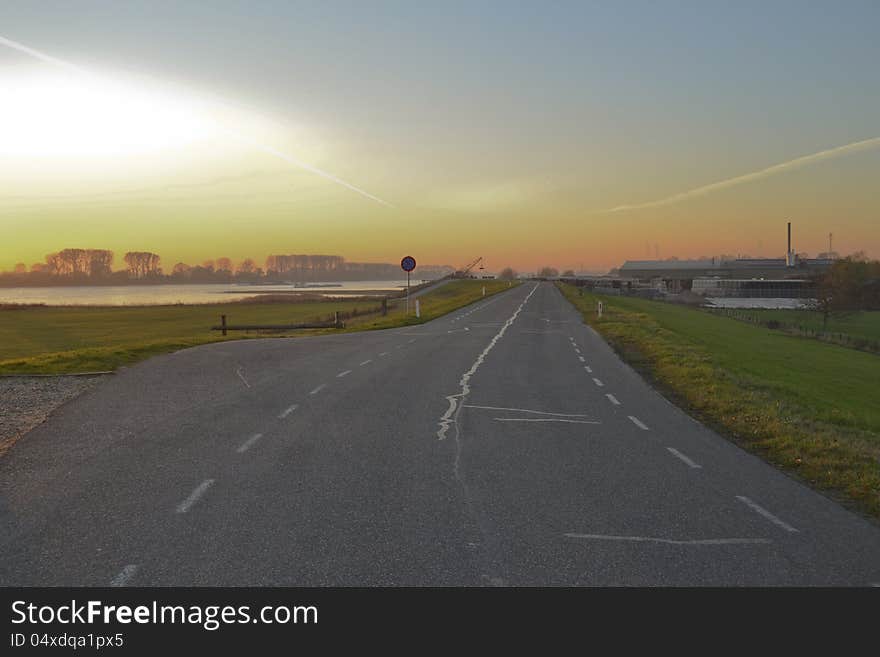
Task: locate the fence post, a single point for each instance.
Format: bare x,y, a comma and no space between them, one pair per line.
336,318
223,323
384,306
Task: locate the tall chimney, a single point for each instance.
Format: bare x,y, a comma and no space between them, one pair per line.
788,259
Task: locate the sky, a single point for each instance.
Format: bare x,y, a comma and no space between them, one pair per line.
572,134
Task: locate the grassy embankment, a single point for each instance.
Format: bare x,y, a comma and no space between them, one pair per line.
859,329
53,340
810,408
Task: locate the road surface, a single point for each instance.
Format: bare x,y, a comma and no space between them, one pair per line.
504,444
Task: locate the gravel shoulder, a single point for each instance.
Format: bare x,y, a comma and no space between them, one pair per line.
26,402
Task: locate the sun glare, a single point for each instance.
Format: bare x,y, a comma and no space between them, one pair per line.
70,116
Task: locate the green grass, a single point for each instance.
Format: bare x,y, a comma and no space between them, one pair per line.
809,407
861,324
53,340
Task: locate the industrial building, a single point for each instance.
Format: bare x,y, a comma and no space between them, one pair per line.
788,277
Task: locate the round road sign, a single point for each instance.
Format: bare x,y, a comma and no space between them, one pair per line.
408,263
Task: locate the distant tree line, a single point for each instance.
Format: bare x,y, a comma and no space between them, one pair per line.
95,267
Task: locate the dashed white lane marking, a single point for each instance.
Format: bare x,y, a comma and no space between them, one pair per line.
124,575
588,368
764,512
318,389
612,399
544,419
400,346
240,372
411,341
366,362
287,411
247,444
577,350
690,463
343,373
523,410
200,490
582,359
598,382
385,353
670,541
636,421
451,414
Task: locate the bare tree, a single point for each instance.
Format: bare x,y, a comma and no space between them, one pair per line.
20,268
507,274
247,266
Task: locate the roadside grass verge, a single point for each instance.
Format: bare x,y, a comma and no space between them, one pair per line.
59,340
810,408
441,301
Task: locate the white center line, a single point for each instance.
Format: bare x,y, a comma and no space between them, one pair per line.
366,362
247,444
588,368
413,340
124,575
318,389
612,399
577,350
636,421
200,490
384,353
400,346
287,411
582,359
598,382
684,458
343,373
764,512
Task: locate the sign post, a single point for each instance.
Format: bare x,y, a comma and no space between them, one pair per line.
407,264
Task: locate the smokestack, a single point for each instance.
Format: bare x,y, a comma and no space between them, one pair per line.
789,260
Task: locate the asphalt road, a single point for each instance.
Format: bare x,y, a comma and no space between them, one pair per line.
504,444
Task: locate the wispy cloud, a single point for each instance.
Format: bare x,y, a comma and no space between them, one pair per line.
805,160
37,54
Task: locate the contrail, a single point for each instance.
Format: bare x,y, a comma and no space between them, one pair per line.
15,45
756,175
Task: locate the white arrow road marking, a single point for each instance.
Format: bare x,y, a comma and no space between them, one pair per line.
523,410
670,541
544,419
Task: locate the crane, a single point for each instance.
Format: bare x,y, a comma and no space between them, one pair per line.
466,270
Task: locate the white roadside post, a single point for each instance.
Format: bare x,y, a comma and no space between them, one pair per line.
418,312
599,309
484,290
